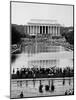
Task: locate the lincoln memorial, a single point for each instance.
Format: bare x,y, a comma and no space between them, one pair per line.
39,26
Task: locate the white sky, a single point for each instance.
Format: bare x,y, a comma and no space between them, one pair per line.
21,13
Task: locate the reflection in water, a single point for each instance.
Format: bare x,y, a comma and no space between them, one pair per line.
31,49
64,81
21,83
49,82
18,84
26,83
33,82
46,56
40,82
69,81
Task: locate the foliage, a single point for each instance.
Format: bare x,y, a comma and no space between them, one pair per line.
69,37
68,33
15,35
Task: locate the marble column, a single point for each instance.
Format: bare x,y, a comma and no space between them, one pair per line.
28,29
55,30
25,29
58,30
45,29
39,30
52,31
36,29
48,29
33,29
42,29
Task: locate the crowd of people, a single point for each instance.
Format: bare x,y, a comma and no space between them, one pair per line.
42,72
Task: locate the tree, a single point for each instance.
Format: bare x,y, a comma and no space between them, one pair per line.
15,36
70,37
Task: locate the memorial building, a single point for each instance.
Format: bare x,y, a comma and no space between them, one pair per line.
39,26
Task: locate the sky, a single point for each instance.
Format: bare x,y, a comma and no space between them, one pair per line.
21,13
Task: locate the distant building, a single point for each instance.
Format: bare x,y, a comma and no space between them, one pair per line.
38,26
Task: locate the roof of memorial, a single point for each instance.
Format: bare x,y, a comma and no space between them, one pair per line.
41,21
